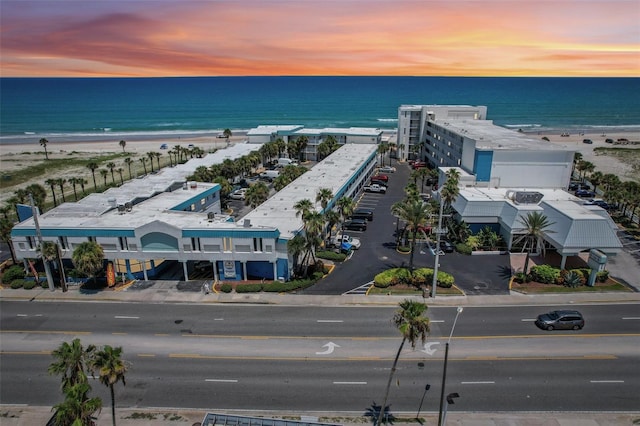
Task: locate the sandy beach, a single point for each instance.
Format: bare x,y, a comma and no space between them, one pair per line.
19,156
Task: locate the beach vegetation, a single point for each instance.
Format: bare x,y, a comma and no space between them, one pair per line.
43,143
122,144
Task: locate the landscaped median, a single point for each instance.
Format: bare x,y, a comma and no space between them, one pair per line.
404,281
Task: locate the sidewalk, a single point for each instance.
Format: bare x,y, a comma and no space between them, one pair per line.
30,416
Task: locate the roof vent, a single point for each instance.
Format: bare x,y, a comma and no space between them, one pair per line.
247,223
121,208
211,216
526,197
112,202
128,206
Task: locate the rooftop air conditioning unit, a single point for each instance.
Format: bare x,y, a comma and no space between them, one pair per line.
247,223
211,216
128,206
121,208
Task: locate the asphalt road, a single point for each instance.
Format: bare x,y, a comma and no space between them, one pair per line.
329,358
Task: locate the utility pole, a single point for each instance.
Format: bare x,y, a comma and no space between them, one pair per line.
47,268
442,412
438,232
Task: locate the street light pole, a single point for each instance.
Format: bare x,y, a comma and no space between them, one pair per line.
437,249
444,370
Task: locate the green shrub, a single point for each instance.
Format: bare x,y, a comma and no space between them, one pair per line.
278,287
520,277
464,248
13,273
571,278
249,288
602,276
331,255
422,276
545,274
386,278
226,288
44,284
404,249
28,285
444,280
15,284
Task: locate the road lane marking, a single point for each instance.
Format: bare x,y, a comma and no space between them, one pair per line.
218,319
330,321
434,321
631,318
147,355
125,317
478,383
349,383
221,380
528,319
22,315
119,333
606,381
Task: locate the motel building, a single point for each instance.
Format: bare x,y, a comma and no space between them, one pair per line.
153,223
158,221
504,176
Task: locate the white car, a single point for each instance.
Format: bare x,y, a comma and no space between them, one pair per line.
238,194
387,169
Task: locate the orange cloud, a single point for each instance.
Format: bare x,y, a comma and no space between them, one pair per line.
349,37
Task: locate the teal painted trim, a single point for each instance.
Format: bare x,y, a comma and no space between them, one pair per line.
76,232
196,199
229,233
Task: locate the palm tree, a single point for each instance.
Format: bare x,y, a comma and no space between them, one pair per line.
227,135
585,167
577,157
104,173
93,166
70,361
296,247
143,160
536,226
151,155
450,189
38,193
413,325
122,143
157,155
88,258
52,183
120,171
77,409
60,182
112,166
111,370
43,143
323,196
383,148
74,181
414,213
49,252
82,183
303,208
345,205
257,194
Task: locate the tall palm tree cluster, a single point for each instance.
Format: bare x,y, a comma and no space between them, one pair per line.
625,195
74,363
317,227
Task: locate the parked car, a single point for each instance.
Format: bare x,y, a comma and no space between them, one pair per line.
387,169
446,246
560,320
418,164
608,140
573,186
375,181
355,225
383,178
600,203
164,146
374,187
584,193
343,239
238,194
589,141
361,213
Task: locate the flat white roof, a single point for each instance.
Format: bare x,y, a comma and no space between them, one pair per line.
491,137
333,173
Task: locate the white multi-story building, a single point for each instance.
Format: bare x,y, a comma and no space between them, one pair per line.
504,176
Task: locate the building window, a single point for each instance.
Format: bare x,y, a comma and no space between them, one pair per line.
32,242
63,243
92,239
124,244
257,244
226,244
195,244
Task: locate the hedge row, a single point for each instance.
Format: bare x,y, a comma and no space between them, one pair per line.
546,274
420,277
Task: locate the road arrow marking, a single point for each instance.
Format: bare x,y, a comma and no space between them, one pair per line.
330,347
427,348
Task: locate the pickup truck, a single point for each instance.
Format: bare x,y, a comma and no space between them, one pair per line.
343,239
374,187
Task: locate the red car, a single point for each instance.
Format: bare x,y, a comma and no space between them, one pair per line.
419,164
383,178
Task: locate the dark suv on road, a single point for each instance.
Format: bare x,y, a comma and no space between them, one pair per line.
560,320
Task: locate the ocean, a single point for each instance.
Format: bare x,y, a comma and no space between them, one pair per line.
130,108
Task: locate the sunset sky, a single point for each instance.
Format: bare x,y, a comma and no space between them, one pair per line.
320,37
